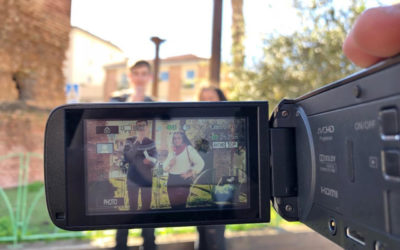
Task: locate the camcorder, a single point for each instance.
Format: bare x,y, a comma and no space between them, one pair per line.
329,159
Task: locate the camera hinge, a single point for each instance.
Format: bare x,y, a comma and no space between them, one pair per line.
283,161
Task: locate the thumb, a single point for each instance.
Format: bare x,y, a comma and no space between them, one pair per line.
375,35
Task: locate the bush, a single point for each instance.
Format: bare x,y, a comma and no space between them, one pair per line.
6,228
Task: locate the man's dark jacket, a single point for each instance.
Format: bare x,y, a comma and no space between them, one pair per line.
139,172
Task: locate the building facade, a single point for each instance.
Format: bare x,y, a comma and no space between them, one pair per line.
84,65
116,80
180,78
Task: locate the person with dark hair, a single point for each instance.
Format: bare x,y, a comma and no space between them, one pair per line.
140,77
211,237
182,164
141,63
211,94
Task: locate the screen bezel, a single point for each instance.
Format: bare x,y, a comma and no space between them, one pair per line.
254,112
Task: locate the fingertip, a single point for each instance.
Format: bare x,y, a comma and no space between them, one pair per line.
357,55
377,32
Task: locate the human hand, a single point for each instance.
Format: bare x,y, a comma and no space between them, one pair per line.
172,162
146,161
375,36
187,175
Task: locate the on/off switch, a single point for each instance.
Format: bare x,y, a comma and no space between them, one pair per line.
389,121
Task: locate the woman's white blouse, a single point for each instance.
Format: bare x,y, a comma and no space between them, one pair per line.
182,164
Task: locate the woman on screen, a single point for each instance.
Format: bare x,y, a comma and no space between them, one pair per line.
182,164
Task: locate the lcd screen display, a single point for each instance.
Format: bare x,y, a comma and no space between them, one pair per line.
141,165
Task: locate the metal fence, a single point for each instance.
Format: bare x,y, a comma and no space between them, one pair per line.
19,211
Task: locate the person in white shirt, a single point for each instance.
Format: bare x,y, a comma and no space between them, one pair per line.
182,164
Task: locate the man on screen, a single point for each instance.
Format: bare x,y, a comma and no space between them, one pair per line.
140,152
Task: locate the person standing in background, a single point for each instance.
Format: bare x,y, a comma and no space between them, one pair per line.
211,237
140,77
211,94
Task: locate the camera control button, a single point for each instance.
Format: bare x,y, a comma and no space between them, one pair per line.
391,164
389,121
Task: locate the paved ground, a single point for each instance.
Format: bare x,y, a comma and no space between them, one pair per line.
300,239
282,241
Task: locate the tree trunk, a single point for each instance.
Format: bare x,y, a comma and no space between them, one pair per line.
237,35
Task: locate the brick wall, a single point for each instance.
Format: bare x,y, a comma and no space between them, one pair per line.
175,79
110,84
21,130
202,71
33,40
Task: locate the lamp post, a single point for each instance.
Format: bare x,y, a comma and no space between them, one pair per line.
157,41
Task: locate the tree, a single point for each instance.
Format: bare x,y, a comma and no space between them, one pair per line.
238,32
304,60
237,49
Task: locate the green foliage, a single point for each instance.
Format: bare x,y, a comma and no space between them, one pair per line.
175,230
304,60
238,33
35,186
102,234
245,227
5,226
38,223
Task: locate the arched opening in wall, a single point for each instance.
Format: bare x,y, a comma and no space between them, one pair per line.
24,85
17,86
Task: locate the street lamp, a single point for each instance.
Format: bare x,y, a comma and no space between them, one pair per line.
157,41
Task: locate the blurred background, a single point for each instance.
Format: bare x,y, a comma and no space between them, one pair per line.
54,52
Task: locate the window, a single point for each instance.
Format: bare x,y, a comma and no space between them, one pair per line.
190,74
164,76
123,82
104,148
188,84
189,81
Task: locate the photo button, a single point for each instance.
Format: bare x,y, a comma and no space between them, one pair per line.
391,163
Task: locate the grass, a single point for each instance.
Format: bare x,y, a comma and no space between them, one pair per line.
38,223
200,196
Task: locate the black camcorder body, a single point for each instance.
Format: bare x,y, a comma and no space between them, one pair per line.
329,159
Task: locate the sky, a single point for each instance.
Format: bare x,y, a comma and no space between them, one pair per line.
185,24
